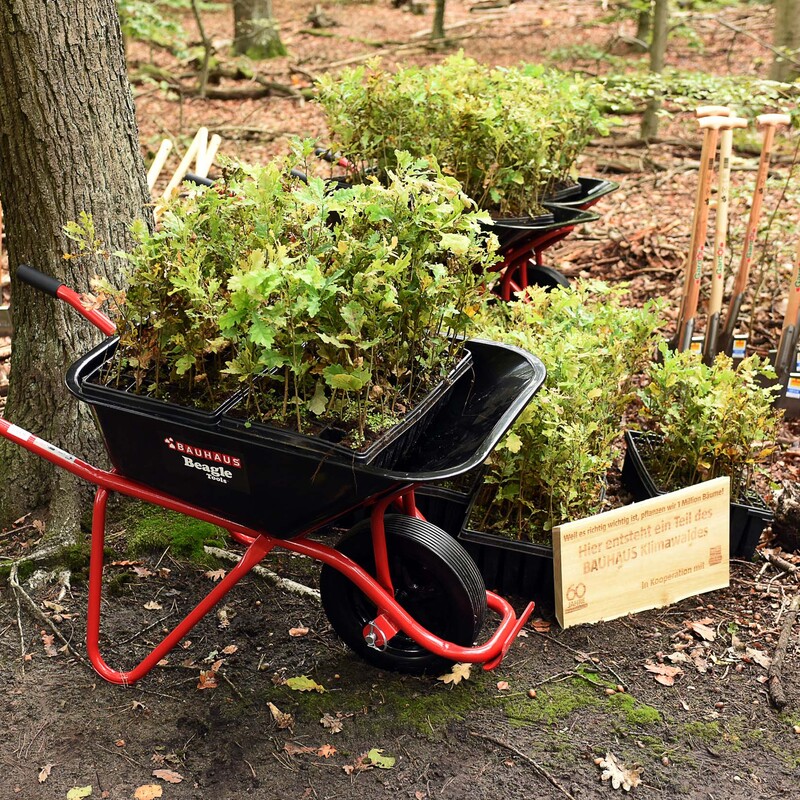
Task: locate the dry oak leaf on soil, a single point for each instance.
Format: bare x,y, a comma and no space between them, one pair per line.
701,628
663,673
459,672
282,720
168,775
333,724
149,791
621,777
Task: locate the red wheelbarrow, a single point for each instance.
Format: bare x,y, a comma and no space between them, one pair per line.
402,593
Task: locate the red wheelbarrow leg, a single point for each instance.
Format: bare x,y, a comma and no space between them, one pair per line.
258,548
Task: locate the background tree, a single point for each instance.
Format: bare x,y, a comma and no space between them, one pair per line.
438,20
787,39
658,50
255,30
68,144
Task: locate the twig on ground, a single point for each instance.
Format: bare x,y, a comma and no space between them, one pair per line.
780,563
230,683
535,764
600,664
40,615
272,577
775,673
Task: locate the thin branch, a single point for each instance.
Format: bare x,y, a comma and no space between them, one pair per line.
757,39
201,89
272,577
535,764
40,615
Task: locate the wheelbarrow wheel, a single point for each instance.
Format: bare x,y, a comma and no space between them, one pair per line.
434,580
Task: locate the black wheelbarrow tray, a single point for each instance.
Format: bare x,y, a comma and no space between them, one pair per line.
398,590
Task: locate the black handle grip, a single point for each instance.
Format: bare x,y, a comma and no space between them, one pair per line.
325,153
44,283
299,174
198,180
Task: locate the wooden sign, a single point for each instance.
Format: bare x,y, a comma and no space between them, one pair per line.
645,555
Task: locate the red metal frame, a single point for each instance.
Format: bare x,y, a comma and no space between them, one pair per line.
513,268
390,617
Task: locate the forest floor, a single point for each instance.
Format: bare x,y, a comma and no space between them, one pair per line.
201,724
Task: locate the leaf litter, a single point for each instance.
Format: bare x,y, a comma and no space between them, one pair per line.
620,776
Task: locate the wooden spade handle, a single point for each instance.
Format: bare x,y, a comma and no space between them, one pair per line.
712,111
773,120
714,123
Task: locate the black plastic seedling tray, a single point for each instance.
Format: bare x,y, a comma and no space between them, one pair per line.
749,515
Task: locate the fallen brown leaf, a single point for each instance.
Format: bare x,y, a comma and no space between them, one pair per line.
142,572
168,775
459,672
215,574
153,605
663,673
326,751
621,777
333,724
44,772
207,679
702,629
298,631
294,749
50,650
282,720
149,791
230,649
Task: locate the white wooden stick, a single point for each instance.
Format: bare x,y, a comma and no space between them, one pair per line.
202,135
158,163
183,167
204,167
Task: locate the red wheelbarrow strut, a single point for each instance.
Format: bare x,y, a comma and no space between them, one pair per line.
390,618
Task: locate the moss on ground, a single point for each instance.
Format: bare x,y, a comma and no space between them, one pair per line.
150,529
632,711
420,704
556,701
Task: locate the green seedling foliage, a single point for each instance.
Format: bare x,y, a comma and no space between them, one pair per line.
713,420
154,23
551,466
510,136
339,304
684,90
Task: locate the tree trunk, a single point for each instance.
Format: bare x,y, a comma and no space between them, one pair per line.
644,21
68,144
787,39
658,50
255,30
438,21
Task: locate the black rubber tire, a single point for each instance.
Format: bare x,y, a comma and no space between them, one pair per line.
434,579
548,277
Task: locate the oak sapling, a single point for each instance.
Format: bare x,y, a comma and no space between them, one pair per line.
511,136
328,305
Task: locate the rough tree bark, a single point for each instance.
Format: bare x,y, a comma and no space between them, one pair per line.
658,50
255,30
68,144
786,38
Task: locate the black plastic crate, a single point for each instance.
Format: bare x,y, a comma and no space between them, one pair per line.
749,514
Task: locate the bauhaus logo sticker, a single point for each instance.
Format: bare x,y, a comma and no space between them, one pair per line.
208,465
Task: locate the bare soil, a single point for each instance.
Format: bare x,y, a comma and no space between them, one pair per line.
713,733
